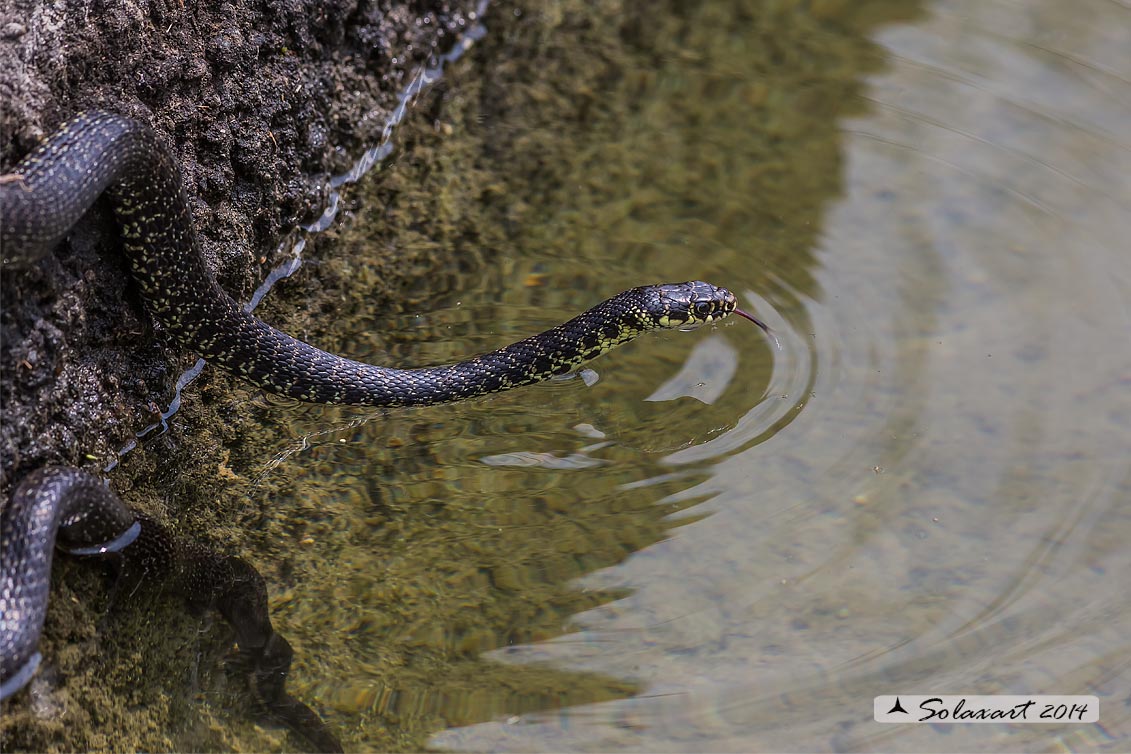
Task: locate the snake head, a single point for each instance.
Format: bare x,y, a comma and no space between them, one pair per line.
686,306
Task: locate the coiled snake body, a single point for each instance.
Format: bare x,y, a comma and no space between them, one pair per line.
75,511
98,153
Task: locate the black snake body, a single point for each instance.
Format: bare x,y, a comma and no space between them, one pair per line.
97,153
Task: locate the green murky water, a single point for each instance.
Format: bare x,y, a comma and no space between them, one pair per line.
716,546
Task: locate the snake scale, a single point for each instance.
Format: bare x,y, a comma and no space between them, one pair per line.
99,153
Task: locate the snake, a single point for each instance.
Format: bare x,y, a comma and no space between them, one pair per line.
98,154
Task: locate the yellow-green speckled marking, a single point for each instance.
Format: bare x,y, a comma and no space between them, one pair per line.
96,152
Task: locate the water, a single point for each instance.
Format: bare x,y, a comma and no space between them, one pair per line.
717,546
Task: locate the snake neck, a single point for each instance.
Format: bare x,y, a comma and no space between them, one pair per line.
241,343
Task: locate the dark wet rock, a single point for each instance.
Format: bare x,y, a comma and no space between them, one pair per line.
254,99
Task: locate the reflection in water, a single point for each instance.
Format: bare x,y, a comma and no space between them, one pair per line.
709,368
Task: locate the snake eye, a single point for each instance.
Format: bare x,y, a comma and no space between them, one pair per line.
703,309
